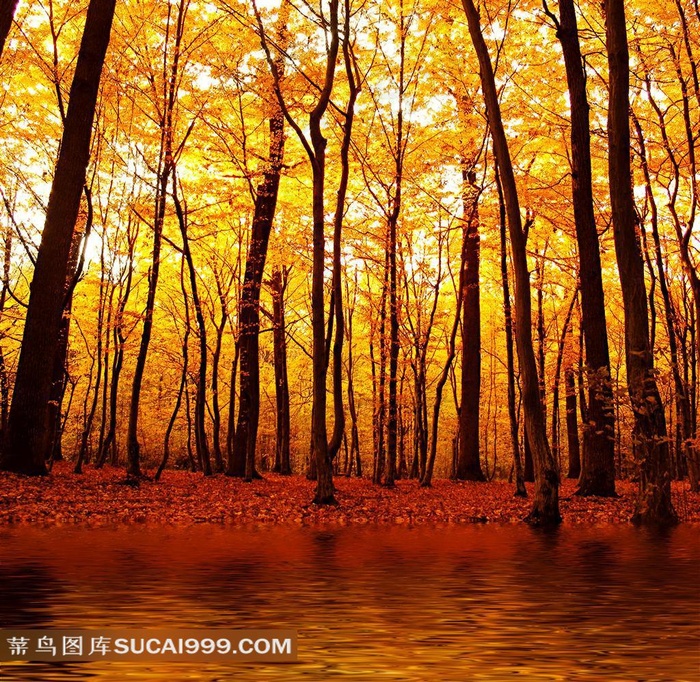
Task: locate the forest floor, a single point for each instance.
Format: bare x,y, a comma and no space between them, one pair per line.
100,497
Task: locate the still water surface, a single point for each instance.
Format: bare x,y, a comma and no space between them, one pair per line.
373,603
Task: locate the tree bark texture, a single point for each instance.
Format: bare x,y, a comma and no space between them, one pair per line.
29,428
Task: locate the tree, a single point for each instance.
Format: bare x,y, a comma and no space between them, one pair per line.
278,287
468,465
323,450
28,427
545,509
165,166
598,456
242,462
654,504
7,14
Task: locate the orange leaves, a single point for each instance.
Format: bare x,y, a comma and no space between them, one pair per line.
183,498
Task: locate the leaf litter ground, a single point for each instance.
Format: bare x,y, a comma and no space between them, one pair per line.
99,497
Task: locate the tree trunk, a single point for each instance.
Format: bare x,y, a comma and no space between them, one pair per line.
278,286
683,410
654,503
165,167
215,363
4,378
109,446
545,508
200,432
520,489
574,470
7,14
468,464
315,148
557,379
355,458
183,375
242,461
54,450
28,427
598,456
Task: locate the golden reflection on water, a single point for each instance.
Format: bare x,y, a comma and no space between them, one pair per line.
383,603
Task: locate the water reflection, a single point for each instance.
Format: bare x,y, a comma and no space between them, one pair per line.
450,603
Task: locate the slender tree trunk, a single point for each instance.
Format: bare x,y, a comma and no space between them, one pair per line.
215,362
29,428
380,454
654,503
520,490
87,428
545,508
315,148
165,168
427,478
278,287
200,432
231,429
681,388
574,470
110,442
216,408
183,375
355,458
541,333
557,378
4,379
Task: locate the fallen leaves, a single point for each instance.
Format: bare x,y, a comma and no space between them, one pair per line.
97,497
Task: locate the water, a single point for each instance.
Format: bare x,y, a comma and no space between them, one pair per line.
376,603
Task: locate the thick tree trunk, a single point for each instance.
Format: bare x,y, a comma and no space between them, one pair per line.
545,508
598,456
654,503
242,460
7,14
29,428
468,464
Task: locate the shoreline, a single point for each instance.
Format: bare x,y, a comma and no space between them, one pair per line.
182,498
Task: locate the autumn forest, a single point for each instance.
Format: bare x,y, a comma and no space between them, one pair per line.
409,239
